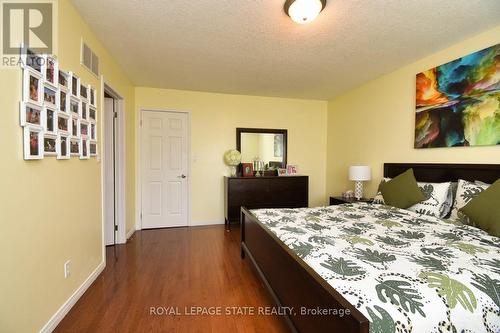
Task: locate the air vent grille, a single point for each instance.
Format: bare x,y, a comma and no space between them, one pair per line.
90,59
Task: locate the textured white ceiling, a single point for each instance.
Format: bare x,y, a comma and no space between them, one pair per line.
251,47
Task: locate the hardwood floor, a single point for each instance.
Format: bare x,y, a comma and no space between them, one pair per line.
174,268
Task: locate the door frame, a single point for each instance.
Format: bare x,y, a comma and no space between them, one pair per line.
138,190
120,215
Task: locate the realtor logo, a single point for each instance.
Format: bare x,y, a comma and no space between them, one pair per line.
28,24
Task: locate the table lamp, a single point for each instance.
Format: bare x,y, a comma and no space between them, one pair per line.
359,174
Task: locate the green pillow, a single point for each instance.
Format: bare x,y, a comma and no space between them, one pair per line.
402,191
484,210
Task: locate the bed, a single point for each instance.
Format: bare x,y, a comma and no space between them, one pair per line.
392,270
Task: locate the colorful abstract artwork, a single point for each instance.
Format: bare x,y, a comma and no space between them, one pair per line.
458,103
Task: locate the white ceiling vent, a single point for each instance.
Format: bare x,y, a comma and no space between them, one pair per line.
89,59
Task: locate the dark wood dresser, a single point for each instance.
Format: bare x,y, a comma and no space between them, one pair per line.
263,192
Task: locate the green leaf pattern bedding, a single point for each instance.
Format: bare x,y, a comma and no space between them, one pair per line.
404,271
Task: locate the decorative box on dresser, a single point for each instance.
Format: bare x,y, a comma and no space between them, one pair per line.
263,192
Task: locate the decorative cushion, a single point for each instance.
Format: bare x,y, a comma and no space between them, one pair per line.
466,191
484,210
402,191
437,202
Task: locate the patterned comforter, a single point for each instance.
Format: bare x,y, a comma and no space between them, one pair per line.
405,272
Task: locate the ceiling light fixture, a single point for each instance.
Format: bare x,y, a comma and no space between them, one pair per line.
304,11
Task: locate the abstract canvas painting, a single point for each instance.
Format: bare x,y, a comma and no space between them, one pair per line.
458,103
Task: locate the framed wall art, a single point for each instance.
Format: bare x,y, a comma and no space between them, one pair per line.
31,114
63,144
33,143
457,103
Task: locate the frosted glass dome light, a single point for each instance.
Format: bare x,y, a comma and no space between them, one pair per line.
304,11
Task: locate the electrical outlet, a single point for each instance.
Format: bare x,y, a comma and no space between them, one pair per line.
67,269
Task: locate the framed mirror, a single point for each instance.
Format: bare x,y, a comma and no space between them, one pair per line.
266,145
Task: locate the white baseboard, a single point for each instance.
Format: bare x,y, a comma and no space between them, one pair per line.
71,301
200,223
130,233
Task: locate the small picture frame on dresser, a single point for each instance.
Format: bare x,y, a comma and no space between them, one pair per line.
247,169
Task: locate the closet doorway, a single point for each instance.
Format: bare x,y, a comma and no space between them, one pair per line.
113,157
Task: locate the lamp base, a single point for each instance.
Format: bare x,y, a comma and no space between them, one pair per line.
233,170
358,190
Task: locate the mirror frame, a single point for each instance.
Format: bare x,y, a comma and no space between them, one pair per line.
284,132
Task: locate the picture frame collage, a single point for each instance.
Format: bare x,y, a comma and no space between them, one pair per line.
57,111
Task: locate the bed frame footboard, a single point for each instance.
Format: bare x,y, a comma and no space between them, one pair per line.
292,283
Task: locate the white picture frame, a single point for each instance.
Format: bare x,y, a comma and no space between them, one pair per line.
31,60
74,106
92,113
92,96
74,147
30,114
33,150
84,92
84,129
64,100
74,85
84,149
93,148
84,109
63,123
75,128
50,145
32,86
63,145
50,96
50,71
93,131
49,120
63,80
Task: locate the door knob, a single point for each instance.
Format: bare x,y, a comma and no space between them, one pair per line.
181,176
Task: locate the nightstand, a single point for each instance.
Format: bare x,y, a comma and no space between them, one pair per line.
341,200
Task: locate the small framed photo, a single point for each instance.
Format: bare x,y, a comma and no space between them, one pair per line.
49,118
92,113
84,149
74,85
33,143
63,79
63,151
74,147
63,100
93,148
31,114
50,70
50,95
247,169
83,91
63,122
49,145
84,128
75,128
92,96
83,110
74,107
93,132
291,169
31,60
281,172
32,86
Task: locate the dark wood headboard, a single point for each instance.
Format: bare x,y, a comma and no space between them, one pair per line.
438,173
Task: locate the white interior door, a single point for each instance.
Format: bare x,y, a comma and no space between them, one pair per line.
164,169
109,172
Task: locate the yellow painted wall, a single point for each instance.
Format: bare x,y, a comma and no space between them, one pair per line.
375,123
51,210
214,118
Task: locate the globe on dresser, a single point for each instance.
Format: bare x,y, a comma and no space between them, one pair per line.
232,158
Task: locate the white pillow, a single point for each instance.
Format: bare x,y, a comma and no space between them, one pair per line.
466,191
437,202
